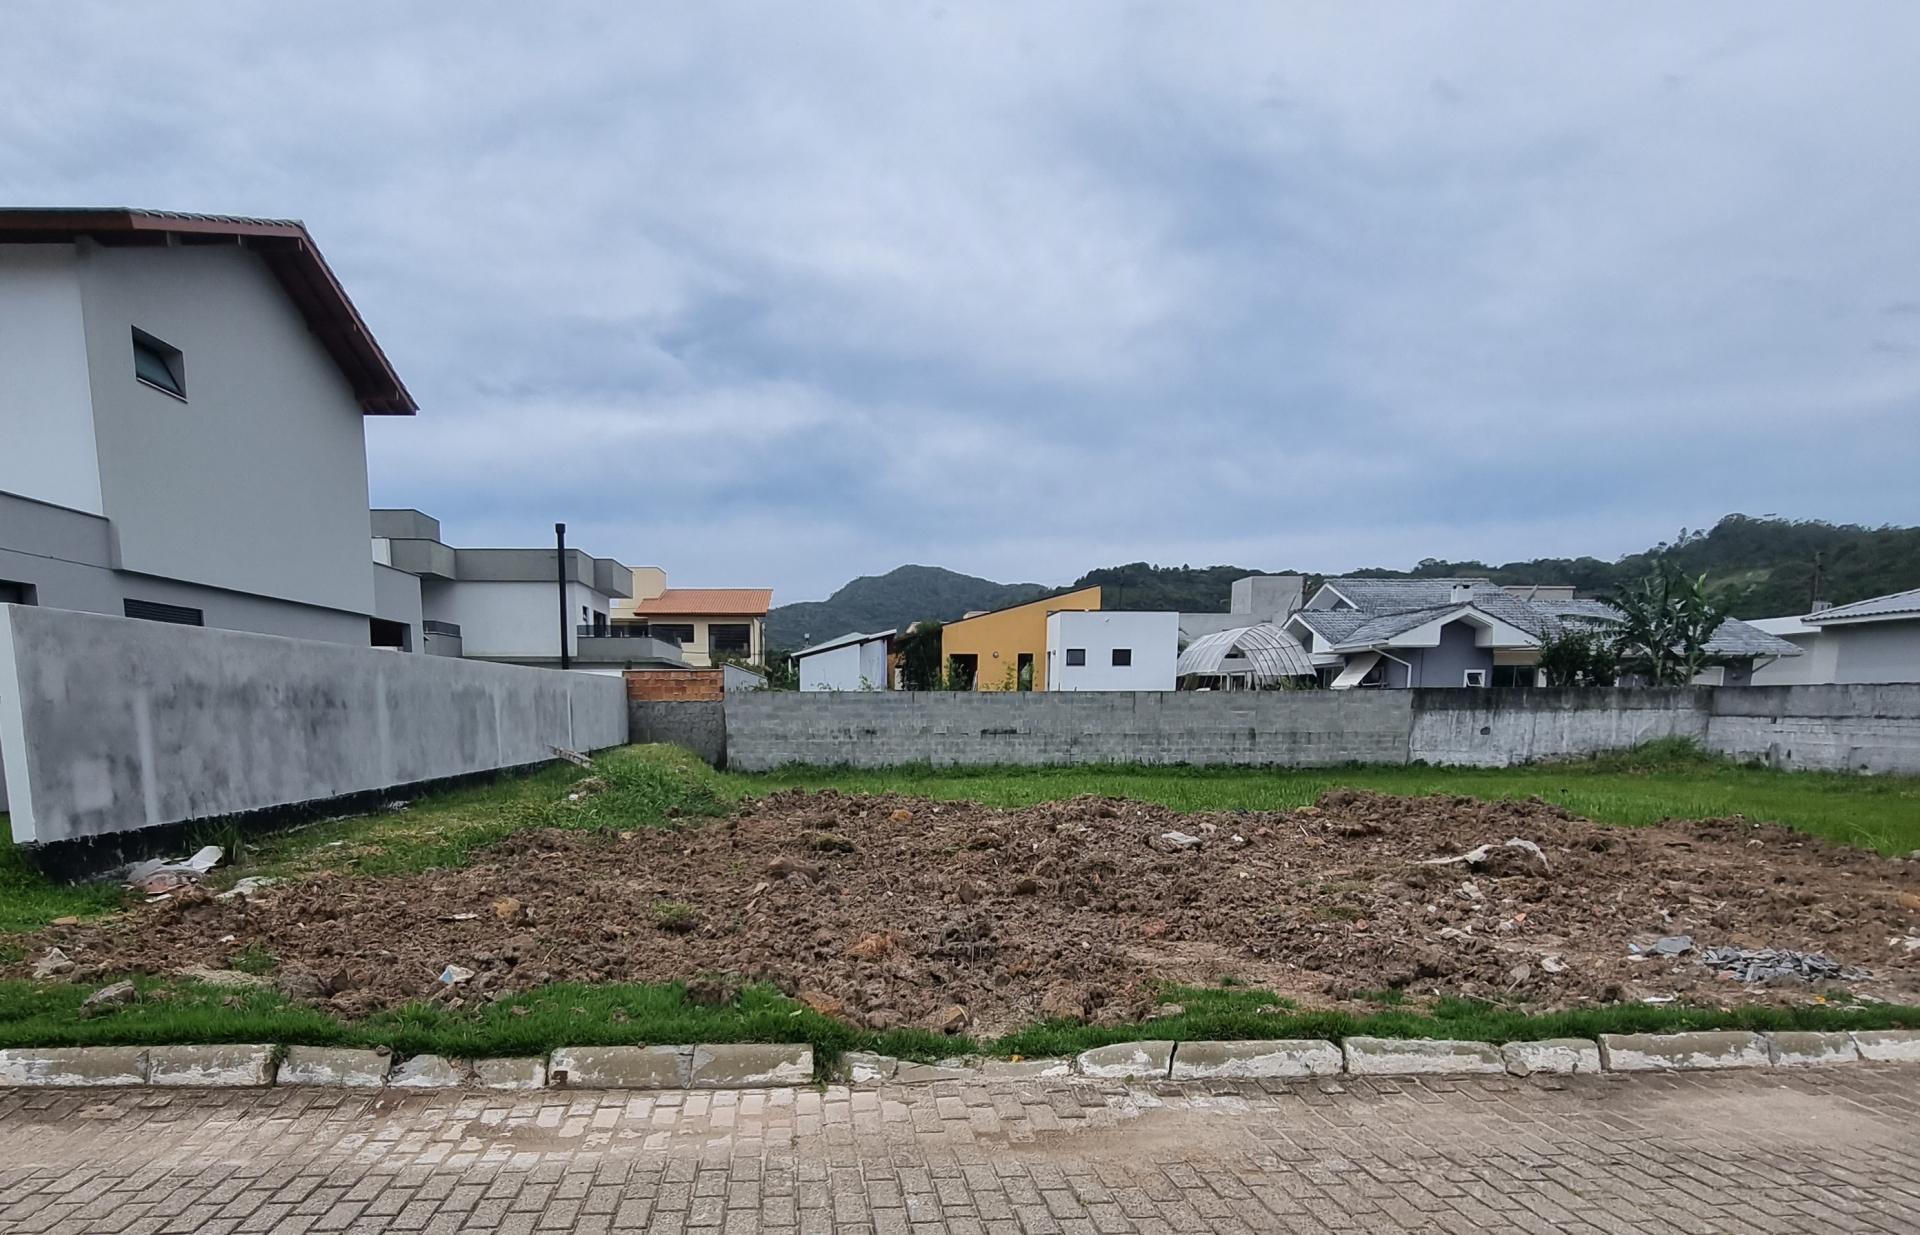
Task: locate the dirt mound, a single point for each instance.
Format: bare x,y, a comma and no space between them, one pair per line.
891,910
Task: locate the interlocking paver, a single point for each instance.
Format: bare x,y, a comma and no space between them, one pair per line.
1486,1155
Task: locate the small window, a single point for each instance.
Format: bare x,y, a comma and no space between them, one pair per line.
154,611
1122,657
1076,656
729,638
1476,677
158,365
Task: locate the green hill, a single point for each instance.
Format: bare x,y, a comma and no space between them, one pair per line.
903,595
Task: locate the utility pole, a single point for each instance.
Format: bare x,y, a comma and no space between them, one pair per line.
560,574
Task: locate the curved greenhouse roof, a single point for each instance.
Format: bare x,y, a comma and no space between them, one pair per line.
1267,652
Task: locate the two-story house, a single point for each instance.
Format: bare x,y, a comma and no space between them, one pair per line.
710,625
181,432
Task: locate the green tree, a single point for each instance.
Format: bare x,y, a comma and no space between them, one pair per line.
1579,658
920,667
1666,620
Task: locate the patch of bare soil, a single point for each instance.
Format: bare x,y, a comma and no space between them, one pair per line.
891,910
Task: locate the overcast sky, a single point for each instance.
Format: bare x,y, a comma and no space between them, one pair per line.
781,295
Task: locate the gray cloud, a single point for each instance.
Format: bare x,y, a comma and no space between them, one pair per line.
786,294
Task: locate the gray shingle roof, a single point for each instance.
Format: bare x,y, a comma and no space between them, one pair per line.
1333,624
1877,608
1733,639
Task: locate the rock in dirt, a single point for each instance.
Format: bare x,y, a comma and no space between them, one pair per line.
871,947
711,992
821,1002
1180,840
300,984
508,909
791,868
1063,1003
828,842
950,1020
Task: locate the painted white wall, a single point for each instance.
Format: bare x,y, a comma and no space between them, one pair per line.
1153,638
1876,651
258,481
46,413
852,666
510,621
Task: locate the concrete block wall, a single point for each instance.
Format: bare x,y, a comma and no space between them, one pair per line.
109,725
766,729
1493,728
700,725
1853,728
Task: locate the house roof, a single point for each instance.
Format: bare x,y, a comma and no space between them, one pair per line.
706,601
1732,639
1896,606
1332,624
285,247
843,641
1038,600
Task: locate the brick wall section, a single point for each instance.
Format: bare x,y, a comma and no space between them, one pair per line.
1857,728
677,685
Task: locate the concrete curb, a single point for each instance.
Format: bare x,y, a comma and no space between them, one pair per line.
754,1065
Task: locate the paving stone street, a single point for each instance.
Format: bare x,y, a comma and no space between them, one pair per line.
1833,1150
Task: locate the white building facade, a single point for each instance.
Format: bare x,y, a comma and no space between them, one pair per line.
1112,650
851,662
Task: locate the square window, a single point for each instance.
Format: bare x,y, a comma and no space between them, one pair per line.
1476,677
159,365
1076,656
1122,657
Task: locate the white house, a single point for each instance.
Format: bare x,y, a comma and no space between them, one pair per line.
506,604
851,662
1873,640
182,426
1102,649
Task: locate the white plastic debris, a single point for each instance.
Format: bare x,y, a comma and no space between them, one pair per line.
1180,839
1474,857
246,888
156,875
453,975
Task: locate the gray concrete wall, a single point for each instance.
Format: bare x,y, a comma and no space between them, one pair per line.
1493,728
1856,728
108,724
699,725
766,729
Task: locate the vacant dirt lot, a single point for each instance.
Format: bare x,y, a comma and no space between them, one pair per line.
890,910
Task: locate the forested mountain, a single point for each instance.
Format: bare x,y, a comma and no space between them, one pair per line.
1766,567
903,595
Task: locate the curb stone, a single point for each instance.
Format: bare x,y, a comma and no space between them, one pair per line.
753,1065
1794,1049
1420,1057
1888,1045
212,1067
1248,1059
1661,1052
335,1068
74,1066
1559,1056
1147,1061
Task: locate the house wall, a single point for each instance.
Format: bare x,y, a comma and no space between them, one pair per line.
1447,663
1813,665
511,620
1153,638
997,639
46,416
1876,652
852,666
108,724
258,481
396,598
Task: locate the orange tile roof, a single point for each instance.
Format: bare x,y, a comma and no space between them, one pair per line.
688,601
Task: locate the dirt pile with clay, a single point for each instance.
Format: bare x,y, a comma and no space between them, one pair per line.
889,911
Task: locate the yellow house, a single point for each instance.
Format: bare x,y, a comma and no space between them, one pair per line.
1006,649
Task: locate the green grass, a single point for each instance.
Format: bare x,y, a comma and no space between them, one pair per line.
1665,781
538,1021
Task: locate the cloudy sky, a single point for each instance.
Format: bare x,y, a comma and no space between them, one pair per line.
787,294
